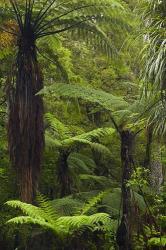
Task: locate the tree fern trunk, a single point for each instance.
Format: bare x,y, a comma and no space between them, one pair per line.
124,230
64,174
25,126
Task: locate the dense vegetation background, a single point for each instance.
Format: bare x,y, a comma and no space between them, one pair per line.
82,124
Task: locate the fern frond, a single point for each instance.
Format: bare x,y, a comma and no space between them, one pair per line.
102,180
61,226
84,158
87,94
87,138
93,145
93,202
30,220
27,209
77,222
81,164
52,142
66,206
60,129
46,207
161,242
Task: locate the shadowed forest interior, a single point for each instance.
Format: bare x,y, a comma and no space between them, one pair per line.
82,124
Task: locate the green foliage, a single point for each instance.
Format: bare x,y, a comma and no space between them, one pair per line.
64,139
66,206
105,100
157,242
46,217
154,51
82,162
92,82
93,202
139,178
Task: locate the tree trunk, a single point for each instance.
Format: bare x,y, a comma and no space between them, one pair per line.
153,161
156,168
124,230
148,147
64,174
25,125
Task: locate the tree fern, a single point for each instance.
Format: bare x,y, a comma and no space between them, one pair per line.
63,136
35,20
133,116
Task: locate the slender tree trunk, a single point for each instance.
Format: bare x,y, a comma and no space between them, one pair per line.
25,125
153,161
64,174
156,169
124,230
147,159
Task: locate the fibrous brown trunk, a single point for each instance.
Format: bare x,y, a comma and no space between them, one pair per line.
124,230
64,174
25,125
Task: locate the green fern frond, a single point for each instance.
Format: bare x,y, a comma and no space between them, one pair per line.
30,220
88,137
90,163
60,129
61,226
87,94
51,141
46,207
96,134
27,209
77,222
93,202
93,145
69,141
102,180
161,242
78,165
66,206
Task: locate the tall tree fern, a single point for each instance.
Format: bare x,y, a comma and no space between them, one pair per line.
61,138
37,19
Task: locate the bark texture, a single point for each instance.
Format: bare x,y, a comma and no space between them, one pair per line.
124,230
64,174
25,125
153,161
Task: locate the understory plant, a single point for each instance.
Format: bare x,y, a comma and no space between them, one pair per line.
47,217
